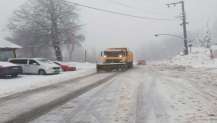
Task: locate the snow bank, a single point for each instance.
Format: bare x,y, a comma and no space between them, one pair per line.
199,57
27,82
80,66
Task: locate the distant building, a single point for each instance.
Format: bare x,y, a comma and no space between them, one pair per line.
7,50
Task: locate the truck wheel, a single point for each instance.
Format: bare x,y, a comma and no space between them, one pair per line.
41,72
14,75
98,70
126,67
123,67
119,68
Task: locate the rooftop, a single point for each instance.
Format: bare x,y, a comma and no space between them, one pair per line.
6,44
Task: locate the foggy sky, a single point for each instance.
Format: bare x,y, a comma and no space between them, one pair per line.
107,30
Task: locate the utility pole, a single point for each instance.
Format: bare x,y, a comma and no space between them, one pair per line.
184,23
207,37
85,55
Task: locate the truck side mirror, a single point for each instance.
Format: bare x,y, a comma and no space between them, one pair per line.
101,53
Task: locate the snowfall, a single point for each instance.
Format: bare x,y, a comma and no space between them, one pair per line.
198,58
179,90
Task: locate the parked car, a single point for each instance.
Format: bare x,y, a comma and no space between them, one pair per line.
65,67
9,69
39,66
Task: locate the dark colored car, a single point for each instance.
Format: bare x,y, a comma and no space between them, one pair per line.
9,69
65,67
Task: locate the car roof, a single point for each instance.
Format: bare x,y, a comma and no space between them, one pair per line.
26,58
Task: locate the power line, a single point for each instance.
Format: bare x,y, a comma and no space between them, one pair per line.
122,4
120,13
129,6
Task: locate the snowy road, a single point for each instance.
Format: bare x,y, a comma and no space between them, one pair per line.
149,94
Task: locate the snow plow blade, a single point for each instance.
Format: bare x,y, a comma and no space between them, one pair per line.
112,67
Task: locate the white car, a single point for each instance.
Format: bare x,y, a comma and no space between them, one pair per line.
39,66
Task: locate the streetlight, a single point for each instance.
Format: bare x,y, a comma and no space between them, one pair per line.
84,53
172,35
176,36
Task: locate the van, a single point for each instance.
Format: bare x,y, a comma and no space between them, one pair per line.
39,66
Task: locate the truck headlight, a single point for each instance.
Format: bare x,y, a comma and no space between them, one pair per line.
120,56
104,56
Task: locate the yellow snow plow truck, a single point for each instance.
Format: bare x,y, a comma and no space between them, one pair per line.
119,59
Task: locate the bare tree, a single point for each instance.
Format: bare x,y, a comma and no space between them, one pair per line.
46,23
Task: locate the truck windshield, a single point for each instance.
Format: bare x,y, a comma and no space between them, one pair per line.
114,53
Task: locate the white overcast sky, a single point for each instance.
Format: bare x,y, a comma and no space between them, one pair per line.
106,30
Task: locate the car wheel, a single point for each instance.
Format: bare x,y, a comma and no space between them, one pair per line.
42,72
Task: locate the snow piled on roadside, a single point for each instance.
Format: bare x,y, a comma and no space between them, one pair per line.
28,82
199,57
80,66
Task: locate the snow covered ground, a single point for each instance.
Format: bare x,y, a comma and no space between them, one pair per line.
145,94
193,93
28,82
150,94
199,57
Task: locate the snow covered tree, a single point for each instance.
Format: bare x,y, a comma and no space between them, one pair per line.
44,24
215,32
200,38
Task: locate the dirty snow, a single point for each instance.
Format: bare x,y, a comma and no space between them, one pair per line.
112,102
